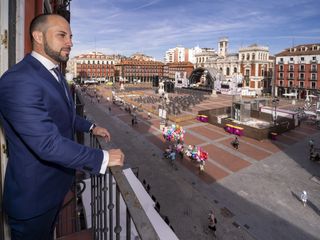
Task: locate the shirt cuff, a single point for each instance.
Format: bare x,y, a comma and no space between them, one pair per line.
92,127
105,162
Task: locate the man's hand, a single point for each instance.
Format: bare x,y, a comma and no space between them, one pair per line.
102,132
116,157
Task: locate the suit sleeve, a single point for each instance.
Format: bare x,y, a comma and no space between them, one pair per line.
23,107
82,125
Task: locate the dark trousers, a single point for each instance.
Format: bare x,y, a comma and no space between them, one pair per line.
39,227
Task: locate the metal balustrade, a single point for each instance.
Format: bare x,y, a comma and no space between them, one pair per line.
106,211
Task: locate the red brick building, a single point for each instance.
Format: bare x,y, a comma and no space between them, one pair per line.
256,66
134,70
297,70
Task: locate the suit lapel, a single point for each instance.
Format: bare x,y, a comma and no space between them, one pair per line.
49,78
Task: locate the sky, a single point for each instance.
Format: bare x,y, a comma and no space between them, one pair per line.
152,27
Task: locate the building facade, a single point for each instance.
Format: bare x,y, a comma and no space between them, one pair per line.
94,65
182,68
297,70
141,57
252,64
256,66
204,57
181,54
130,70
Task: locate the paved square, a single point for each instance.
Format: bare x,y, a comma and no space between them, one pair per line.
206,132
191,139
226,159
248,149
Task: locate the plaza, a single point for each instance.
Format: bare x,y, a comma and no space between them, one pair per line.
254,190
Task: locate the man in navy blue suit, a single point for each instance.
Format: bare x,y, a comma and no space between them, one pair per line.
39,119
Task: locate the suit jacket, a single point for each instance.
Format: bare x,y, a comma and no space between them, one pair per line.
39,123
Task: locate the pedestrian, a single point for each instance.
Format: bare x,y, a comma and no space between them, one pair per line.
132,121
149,115
180,150
311,144
39,121
235,143
201,166
172,156
212,222
304,198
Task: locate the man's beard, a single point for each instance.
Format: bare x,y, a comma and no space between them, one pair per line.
54,54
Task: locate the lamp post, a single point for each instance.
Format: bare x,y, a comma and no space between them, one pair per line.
275,102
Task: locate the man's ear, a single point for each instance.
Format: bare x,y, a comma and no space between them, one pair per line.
38,37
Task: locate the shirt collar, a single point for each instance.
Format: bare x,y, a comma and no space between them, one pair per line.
44,61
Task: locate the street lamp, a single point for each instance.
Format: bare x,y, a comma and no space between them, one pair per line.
275,102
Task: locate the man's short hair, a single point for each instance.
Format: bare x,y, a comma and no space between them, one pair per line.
38,22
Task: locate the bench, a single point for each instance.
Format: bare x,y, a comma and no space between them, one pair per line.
234,129
202,118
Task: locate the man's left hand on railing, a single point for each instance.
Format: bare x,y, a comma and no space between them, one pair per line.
101,132
116,157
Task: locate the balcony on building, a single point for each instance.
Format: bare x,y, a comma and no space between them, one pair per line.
313,79
290,77
313,70
247,79
280,61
